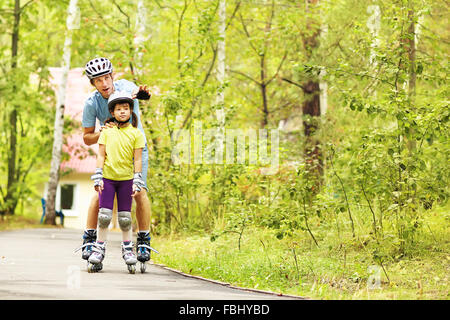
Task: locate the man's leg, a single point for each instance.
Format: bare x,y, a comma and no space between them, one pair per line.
90,234
143,211
92,217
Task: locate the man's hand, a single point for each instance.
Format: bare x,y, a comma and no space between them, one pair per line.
141,93
135,191
108,125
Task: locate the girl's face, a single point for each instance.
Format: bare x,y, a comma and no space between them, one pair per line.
122,111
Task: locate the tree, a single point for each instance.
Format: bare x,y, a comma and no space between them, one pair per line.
59,115
311,105
310,85
220,113
260,45
15,172
10,198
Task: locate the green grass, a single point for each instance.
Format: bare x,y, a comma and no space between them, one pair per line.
339,268
15,222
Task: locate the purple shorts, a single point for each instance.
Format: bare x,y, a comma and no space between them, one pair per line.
123,189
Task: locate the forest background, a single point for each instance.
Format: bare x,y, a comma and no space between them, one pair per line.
355,91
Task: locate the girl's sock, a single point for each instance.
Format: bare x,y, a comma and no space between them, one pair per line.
126,235
102,234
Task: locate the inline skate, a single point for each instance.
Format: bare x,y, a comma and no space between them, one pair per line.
89,239
144,249
96,258
128,256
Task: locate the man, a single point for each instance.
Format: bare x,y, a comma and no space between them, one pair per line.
100,73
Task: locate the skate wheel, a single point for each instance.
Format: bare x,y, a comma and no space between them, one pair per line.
143,267
132,268
91,268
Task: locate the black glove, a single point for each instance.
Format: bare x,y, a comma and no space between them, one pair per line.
142,95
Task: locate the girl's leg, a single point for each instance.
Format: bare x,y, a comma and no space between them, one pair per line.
124,201
106,203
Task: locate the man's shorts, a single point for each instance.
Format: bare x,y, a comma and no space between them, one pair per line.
145,165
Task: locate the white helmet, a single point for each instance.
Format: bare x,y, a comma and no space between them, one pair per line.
119,97
98,67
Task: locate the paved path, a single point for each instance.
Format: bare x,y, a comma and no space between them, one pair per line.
40,264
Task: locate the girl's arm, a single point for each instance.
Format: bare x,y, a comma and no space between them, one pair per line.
98,176
101,156
138,183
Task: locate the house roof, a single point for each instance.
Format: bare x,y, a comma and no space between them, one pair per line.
82,157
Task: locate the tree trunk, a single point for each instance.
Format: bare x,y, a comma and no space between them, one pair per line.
311,105
263,72
59,119
411,48
141,37
220,113
11,197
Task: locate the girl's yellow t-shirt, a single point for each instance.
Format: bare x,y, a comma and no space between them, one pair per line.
120,145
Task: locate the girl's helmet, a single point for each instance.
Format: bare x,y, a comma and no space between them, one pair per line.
98,67
118,97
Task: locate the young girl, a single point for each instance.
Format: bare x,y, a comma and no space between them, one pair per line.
119,172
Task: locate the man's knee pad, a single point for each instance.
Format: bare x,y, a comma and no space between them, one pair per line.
124,218
104,217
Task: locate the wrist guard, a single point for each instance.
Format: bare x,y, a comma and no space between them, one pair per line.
97,176
138,182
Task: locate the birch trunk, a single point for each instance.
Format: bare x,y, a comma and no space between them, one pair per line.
59,116
141,38
411,47
220,112
11,198
323,85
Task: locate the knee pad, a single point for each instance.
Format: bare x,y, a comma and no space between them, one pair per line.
124,218
104,217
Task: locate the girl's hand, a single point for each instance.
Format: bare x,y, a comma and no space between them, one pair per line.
99,188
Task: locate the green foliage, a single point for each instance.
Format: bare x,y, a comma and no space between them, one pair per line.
384,137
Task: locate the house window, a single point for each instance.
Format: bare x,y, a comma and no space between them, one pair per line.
67,196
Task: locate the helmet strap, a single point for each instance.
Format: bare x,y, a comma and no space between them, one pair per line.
121,122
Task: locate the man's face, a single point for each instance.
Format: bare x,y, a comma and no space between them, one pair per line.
122,111
104,85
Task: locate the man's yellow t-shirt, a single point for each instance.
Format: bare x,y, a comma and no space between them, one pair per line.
120,145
